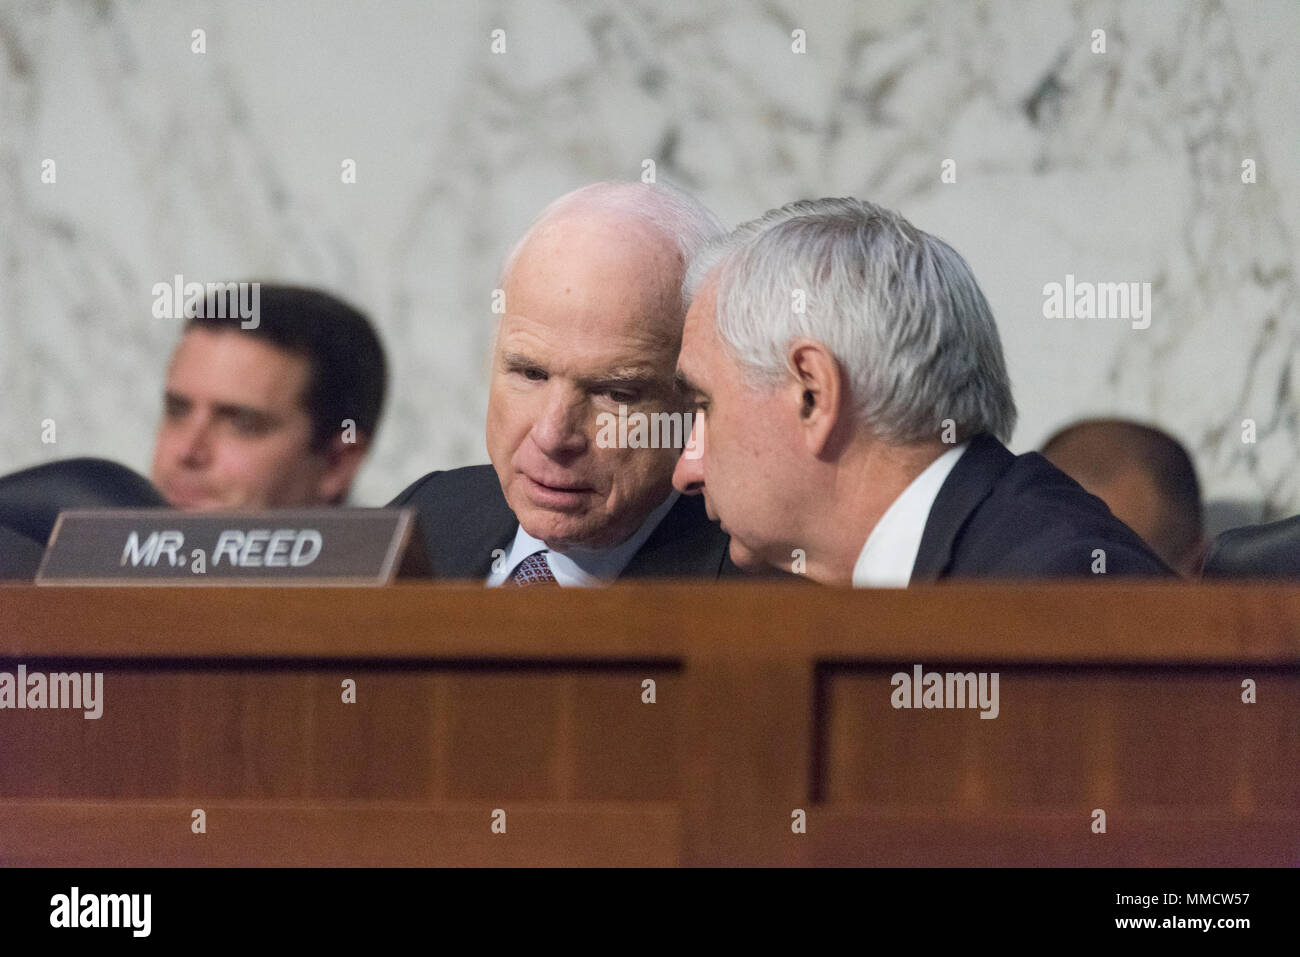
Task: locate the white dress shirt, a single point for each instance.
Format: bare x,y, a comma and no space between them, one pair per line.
580,566
887,559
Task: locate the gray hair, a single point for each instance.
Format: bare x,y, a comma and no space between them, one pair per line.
674,213
897,307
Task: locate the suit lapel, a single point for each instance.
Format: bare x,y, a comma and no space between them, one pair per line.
475,561
684,545
467,551
968,484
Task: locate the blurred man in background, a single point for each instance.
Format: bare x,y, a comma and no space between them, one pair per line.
1146,478
278,414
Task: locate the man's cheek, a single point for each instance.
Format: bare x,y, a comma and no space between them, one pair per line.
499,426
249,480
510,430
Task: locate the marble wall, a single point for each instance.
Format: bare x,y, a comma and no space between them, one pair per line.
1115,166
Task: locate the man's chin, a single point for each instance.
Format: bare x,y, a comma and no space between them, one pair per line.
190,501
213,505
743,557
560,530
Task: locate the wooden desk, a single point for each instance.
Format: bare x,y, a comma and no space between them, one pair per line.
768,699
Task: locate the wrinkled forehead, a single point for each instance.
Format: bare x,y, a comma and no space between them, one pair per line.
586,349
598,254
600,290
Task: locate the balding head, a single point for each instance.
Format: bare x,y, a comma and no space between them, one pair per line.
607,271
592,325
1146,478
666,216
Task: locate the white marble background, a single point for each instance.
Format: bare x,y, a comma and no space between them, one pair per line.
1122,166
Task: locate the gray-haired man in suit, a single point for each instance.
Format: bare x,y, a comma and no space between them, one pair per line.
852,399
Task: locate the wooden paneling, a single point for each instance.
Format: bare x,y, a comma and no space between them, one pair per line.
768,699
1133,737
354,834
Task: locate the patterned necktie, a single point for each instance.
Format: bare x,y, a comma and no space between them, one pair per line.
533,570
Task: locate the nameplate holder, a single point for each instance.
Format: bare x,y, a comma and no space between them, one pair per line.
154,546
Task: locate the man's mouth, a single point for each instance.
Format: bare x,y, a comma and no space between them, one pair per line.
556,493
184,496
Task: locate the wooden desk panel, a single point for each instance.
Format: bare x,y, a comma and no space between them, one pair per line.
1133,736
415,733
768,699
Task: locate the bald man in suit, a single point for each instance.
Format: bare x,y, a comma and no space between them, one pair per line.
590,333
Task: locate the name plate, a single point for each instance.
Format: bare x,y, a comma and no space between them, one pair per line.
314,546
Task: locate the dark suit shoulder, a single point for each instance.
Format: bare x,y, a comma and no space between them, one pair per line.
685,544
1256,551
462,517
1037,522
472,482
20,556
688,544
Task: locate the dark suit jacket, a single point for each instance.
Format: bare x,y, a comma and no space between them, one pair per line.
1256,551
20,556
1000,515
463,516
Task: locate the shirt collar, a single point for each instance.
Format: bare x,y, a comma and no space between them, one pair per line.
581,566
890,553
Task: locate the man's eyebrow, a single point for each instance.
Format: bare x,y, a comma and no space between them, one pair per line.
687,386
517,360
626,375
230,410
631,375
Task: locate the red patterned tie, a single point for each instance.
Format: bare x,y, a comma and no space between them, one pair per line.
533,570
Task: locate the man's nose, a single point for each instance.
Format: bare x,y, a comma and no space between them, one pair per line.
688,476
560,429
193,442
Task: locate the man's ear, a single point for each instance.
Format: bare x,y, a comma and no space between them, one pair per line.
342,462
818,387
